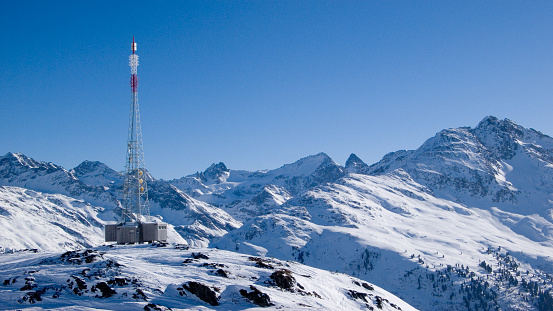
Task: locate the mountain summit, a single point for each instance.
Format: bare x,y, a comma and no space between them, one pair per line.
97,173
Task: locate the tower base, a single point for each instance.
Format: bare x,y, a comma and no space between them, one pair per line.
136,232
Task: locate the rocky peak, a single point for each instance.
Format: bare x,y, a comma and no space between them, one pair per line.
309,172
14,156
14,164
355,165
97,174
500,137
20,160
216,172
87,167
307,166
493,124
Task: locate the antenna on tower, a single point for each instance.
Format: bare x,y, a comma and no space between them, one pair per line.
135,225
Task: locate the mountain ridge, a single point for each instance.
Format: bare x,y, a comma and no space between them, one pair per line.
487,155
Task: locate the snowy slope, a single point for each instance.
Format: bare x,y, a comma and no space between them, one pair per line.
34,220
54,222
147,277
197,222
387,228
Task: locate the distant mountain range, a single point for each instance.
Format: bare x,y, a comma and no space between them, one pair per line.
465,222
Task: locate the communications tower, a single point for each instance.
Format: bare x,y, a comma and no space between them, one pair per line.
135,191
135,225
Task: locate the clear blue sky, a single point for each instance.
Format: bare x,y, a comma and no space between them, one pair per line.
258,84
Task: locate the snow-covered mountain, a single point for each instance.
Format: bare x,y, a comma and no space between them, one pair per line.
465,222
231,187
20,171
198,222
497,163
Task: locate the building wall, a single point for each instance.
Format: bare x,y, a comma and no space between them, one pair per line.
162,232
154,232
127,234
111,233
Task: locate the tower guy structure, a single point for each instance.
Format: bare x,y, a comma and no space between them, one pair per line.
135,191
135,225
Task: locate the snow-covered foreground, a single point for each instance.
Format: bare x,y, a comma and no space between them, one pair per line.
159,277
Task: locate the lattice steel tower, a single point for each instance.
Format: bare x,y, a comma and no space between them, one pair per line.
135,191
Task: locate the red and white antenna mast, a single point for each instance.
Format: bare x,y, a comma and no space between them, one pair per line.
135,201
133,62
135,225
